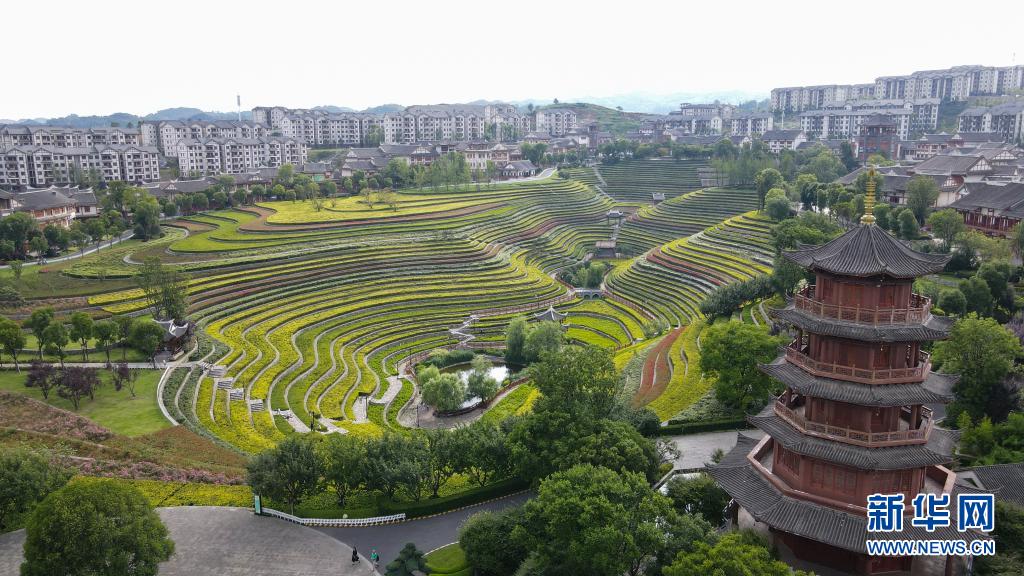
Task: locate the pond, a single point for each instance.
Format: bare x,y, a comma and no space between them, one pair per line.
499,371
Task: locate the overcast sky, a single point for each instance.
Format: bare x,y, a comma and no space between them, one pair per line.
99,57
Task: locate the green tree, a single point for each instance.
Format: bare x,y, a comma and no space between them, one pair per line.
698,495
26,477
946,225
480,383
542,338
146,336
37,323
447,452
124,329
484,537
766,180
730,353
146,218
343,456
446,392
922,192
591,520
908,225
12,339
105,332
515,342
288,473
81,331
95,527
409,562
55,339
952,301
733,554
18,228
395,462
777,208
285,174
978,296
40,246
982,352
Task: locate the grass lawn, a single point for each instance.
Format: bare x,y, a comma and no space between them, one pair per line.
447,561
117,411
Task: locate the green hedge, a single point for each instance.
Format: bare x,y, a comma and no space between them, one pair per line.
676,428
429,506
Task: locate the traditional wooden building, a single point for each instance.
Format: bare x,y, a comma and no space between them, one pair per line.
852,420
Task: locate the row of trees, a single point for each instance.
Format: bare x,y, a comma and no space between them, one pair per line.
396,465
526,343
53,336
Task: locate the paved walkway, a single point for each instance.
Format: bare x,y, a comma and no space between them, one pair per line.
233,542
697,448
427,533
80,254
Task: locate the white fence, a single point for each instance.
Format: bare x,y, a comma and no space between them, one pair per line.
335,522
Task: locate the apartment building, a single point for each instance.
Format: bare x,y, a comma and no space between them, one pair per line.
479,154
846,123
202,156
751,125
41,166
778,140
1005,119
165,134
957,83
555,121
65,137
440,122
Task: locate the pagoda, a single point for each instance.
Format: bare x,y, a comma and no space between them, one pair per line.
853,418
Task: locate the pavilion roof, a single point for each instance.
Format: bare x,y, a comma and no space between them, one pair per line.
868,250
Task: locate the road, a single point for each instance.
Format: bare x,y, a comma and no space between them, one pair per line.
87,251
427,533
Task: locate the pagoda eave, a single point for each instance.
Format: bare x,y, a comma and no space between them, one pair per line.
936,388
938,450
933,328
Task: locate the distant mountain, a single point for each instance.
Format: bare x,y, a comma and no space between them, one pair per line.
334,109
123,118
656,103
385,109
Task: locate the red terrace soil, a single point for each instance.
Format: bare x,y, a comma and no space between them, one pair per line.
656,374
659,257
261,225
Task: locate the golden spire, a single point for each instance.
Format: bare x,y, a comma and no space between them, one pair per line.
869,199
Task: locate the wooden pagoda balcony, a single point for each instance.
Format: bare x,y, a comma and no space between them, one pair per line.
918,311
904,436
916,373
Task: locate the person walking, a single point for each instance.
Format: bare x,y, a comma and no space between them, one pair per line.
374,557
355,556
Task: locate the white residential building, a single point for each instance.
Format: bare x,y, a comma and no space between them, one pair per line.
555,121
168,133
64,137
1005,119
40,166
202,156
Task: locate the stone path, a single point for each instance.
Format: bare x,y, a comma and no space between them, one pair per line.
697,448
394,387
234,542
359,408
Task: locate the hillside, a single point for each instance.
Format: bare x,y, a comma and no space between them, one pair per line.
615,121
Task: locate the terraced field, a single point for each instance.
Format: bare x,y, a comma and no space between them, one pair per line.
315,314
672,279
637,180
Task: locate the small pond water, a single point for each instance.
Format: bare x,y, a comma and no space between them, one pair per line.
499,371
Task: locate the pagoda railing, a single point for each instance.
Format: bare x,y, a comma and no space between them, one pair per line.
917,435
864,375
918,311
